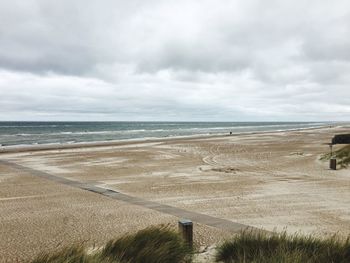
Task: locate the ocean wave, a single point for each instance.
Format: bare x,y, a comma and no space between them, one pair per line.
145,136
98,132
168,131
33,126
40,136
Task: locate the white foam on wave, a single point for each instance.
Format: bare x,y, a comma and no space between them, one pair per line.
73,137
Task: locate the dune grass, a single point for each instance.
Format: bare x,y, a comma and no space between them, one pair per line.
342,155
254,247
66,255
149,245
152,245
161,245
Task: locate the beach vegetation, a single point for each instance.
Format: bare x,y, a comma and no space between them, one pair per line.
254,247
152,245
342,155
72,254
163,245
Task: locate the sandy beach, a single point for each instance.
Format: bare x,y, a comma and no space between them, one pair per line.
271,180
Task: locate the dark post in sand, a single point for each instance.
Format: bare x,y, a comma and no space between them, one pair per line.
337,139
332,160
333,163
186,231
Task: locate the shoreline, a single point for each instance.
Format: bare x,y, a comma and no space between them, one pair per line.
93,144
268,180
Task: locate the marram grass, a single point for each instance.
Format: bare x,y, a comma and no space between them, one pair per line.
342,155
162,245
73,254
151,245
258,247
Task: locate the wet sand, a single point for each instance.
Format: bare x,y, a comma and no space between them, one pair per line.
273,181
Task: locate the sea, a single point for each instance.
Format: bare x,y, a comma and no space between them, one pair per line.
32,133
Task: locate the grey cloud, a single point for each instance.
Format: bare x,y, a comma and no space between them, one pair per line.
186,60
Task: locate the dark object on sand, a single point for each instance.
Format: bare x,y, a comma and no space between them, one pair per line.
333,164
186,231
341,139
230,133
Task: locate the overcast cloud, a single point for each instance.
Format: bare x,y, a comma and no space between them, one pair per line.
237,60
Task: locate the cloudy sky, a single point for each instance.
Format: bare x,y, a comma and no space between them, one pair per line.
227,60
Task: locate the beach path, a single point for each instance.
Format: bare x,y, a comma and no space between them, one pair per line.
178,212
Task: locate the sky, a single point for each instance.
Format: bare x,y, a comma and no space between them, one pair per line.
183,60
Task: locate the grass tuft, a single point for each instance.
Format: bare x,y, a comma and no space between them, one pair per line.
162,245
74,254
151,245
342,155
254,247
158,245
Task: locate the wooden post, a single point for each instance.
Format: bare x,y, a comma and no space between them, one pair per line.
333,164
186,231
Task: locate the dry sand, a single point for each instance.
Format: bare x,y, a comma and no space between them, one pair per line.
273,181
